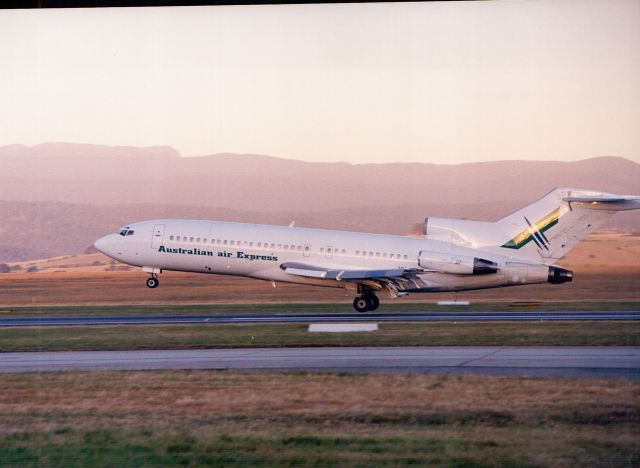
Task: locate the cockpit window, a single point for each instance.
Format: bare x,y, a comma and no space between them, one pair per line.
126,232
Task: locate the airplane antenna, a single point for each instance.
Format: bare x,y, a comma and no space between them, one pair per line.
292,224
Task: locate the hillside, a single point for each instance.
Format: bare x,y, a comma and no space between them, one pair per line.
157,175
57,198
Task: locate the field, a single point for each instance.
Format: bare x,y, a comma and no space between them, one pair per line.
319,419
312,419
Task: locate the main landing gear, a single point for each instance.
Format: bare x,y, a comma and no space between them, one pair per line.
153,282
366,302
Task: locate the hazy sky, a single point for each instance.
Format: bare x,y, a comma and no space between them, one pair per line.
432,82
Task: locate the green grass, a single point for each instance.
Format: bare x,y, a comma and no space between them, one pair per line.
268,335
173,418
166,309
106,448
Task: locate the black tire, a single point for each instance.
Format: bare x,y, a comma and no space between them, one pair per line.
373,301
361,304
152,283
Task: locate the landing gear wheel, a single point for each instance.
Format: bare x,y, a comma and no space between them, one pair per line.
372,301
153,283
361,304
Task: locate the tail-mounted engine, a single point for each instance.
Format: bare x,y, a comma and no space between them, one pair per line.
456,264
559,275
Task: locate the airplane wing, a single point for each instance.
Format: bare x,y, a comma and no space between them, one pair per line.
394,280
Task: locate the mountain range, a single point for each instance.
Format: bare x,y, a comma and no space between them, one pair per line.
56,198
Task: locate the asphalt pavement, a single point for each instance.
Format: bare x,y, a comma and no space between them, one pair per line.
583,361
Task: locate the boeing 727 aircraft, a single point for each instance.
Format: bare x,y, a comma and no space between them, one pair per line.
454,255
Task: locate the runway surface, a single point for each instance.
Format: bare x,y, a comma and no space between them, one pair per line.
520,361
315,317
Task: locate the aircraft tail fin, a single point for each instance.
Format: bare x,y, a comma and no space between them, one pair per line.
543,231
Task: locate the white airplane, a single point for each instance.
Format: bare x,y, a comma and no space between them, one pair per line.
454,255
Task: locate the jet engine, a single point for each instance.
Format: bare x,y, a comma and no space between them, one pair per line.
559,275
456,264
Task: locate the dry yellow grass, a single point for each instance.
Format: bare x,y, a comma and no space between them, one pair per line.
263,395
621,284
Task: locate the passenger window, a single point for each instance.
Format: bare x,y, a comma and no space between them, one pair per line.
390,255
198,240
405,257
322,249
279,246
286,247
384,255
259,244
299,248
204,241
225,242
170,237
377,254
357,252
232,242
328,249
273,246
250,244
344,251
370,254
306,248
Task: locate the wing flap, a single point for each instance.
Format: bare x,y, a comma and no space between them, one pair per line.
312,271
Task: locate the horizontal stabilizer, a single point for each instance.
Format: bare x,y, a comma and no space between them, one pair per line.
613,203
543,231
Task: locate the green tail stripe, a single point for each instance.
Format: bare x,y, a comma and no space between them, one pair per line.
526,237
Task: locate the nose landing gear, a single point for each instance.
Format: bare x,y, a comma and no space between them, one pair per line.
365,303
153,282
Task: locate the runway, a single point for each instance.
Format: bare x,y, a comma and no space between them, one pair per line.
30,321
515,361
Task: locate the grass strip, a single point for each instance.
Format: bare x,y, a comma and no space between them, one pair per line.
269,308
121,337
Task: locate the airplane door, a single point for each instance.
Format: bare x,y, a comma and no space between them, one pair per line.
329,252
158,235
307,250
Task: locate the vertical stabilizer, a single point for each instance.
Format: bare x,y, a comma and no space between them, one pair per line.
551,226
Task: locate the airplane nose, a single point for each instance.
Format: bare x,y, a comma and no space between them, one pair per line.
102,244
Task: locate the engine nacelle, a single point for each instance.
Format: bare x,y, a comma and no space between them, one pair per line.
463,232
456,264
559,275
522,273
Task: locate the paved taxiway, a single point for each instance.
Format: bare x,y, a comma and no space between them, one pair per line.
316,317
581,361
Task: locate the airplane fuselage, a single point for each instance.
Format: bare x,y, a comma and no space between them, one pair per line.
454,255
259,251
